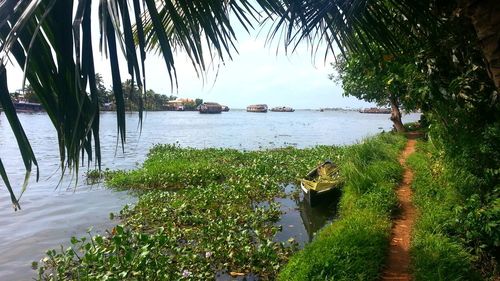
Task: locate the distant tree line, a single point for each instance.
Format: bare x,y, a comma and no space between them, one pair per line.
151,101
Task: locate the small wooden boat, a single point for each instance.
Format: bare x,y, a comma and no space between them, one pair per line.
320,181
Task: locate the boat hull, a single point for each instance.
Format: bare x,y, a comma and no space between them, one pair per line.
315,198
320,181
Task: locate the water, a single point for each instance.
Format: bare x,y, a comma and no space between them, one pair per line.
54,212
300,221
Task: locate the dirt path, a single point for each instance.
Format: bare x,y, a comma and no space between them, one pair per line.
398,259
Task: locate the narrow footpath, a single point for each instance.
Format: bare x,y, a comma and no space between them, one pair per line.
398,260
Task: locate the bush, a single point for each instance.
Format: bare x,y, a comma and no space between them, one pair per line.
437,251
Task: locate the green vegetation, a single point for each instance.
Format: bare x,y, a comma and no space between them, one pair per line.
387,80
443,73
221,216
454,232
354,246
452,45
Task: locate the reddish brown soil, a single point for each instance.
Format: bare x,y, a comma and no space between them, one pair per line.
398,259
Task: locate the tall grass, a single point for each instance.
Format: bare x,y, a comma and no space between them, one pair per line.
354,246
436,251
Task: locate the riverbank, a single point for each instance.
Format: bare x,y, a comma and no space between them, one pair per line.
214,214
355,246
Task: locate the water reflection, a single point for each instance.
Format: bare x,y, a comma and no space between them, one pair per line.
300,221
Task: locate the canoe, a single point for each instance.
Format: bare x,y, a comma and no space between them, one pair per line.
319,181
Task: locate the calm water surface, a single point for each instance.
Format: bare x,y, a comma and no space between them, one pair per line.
55,209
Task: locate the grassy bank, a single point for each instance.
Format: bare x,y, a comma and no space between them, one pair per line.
437,251
221,217
354,247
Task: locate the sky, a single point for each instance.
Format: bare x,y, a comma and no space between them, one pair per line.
257,74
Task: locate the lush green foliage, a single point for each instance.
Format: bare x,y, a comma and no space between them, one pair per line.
220,218
454,230
379,78
354,247
443,72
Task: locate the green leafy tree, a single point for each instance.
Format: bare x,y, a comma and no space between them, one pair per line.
382,80
103,94
132,96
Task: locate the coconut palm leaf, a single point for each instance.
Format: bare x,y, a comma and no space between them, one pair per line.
52,41
350,25
24,146
54,45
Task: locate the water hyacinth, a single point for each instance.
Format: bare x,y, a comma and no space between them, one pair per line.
214,221
186,273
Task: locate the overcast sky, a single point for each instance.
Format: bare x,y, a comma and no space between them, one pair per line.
256,75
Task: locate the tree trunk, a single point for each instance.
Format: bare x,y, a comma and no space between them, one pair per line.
485,17
396,114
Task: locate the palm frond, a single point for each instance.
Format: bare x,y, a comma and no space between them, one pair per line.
351,25
54,45
24,146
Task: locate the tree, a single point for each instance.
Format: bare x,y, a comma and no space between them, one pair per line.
383,79
132,96
485,17
102,93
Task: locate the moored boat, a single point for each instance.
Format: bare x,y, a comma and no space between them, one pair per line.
282,109
27,107
210,107
376,110
257,108
319,181
225,108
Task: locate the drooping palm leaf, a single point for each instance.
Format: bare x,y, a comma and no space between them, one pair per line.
24,145
52,40
55,46
351,25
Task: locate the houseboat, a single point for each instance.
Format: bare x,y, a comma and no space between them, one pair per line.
257,108
28,107
210,107
376,110
282,109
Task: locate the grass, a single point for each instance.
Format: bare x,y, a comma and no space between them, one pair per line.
436,251
354,247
